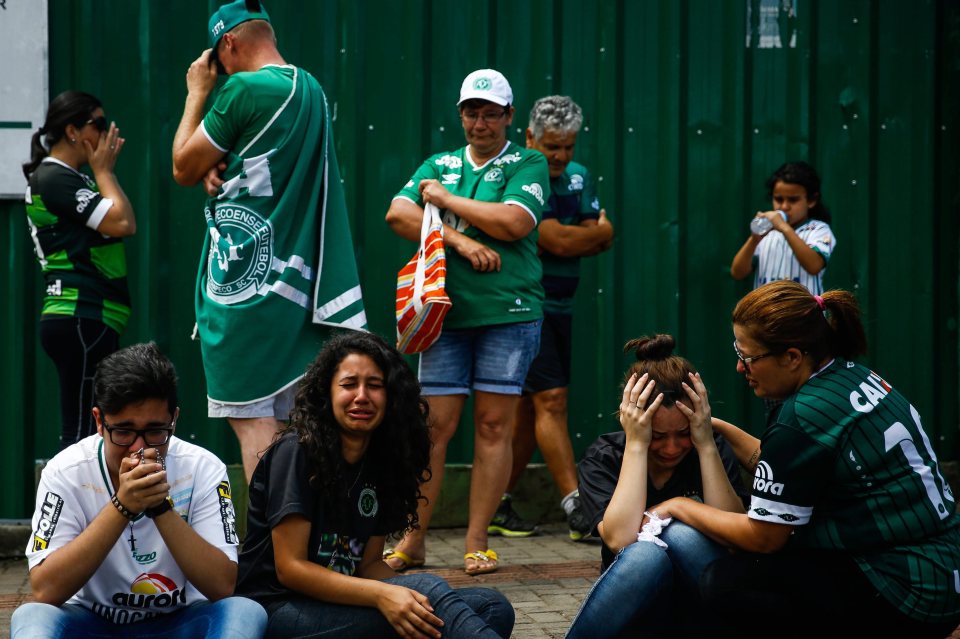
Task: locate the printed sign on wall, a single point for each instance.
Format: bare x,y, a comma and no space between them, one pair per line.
23,87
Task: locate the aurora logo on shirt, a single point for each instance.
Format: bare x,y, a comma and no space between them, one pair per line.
763,480
83,197
241,253
535,190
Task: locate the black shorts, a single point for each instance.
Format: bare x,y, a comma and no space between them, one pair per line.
551,367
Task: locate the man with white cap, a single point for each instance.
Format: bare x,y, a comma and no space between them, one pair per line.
490,194
278,257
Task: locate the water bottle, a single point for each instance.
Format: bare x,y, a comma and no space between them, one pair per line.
761,225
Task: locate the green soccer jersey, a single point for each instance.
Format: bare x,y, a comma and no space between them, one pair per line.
573,199
514,293
85,272
278,257
849,463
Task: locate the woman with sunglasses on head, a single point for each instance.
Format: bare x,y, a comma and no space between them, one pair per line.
342,476
666,448
851,528
77,224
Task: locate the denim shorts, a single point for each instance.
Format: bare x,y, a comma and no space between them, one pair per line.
493,359
277,406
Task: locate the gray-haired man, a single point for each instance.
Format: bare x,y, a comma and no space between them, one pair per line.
573,226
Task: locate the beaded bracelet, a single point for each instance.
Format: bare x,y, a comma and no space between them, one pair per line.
126,512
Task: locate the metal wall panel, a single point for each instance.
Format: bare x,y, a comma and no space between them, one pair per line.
689,105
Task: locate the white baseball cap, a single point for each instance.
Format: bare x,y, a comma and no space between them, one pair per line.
486,84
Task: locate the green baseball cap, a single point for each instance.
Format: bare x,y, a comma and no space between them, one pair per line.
230,15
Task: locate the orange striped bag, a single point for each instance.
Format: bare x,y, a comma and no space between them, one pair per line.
422,301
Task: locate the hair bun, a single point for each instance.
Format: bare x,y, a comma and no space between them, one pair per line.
656,348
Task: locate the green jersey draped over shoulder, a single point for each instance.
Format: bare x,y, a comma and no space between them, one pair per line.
85,271
515,176
278,256
849,463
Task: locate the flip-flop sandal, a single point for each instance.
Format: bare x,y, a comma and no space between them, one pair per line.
406,561
486,562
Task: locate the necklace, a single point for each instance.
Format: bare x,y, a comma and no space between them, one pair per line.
133,541
356,477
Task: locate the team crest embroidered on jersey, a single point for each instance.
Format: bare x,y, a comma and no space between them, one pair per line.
367,504
535,190
576,182
494,175
241,253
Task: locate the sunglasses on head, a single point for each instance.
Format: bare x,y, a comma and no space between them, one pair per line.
100,124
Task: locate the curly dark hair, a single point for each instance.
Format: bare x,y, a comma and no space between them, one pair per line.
399,451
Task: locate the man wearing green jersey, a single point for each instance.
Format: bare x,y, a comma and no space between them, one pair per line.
490,193
278,257
573,226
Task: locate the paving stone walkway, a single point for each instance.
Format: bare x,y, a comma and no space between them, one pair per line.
545,577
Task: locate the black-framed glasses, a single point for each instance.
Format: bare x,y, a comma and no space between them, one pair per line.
488,117
152,437
100,123
749,360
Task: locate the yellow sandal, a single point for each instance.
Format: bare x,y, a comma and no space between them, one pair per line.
486,562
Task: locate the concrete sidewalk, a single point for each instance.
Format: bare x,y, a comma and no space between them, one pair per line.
545,577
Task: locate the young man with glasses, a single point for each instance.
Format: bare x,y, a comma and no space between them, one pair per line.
133,525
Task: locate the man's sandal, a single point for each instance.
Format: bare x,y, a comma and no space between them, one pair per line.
486,562
406,561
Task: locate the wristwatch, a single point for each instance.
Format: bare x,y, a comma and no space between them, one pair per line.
159,509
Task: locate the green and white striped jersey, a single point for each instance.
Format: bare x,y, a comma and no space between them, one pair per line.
849,464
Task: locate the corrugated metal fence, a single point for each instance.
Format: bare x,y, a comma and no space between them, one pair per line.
689,106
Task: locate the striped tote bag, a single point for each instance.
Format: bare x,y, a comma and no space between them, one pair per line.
422,301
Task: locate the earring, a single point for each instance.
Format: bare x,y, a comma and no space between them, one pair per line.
73,140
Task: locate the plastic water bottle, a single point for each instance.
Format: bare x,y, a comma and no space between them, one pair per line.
762,226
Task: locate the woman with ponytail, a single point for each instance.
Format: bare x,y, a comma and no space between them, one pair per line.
650,577
851,529
76,224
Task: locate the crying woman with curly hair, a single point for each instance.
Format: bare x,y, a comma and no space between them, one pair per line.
342,476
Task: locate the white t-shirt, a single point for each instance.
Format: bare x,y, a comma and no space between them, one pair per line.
139,577
776,260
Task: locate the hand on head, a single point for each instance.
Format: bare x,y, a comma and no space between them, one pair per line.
104,157
637,421
701,428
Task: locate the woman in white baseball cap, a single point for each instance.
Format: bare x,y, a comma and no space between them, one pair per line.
490,193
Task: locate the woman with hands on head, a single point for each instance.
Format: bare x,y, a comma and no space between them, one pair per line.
78,225
667,448
851,526
345,473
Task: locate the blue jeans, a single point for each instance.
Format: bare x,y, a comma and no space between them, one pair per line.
230,618
467,613
493,359
635,596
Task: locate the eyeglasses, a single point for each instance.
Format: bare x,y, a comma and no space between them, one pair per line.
125,436
749,360
488,117
100,124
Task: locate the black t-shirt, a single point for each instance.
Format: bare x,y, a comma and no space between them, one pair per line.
280,487
599,471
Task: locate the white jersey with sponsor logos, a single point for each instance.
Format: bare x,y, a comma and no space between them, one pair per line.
139,577
777,261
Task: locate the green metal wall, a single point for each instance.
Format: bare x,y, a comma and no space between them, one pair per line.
686,115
